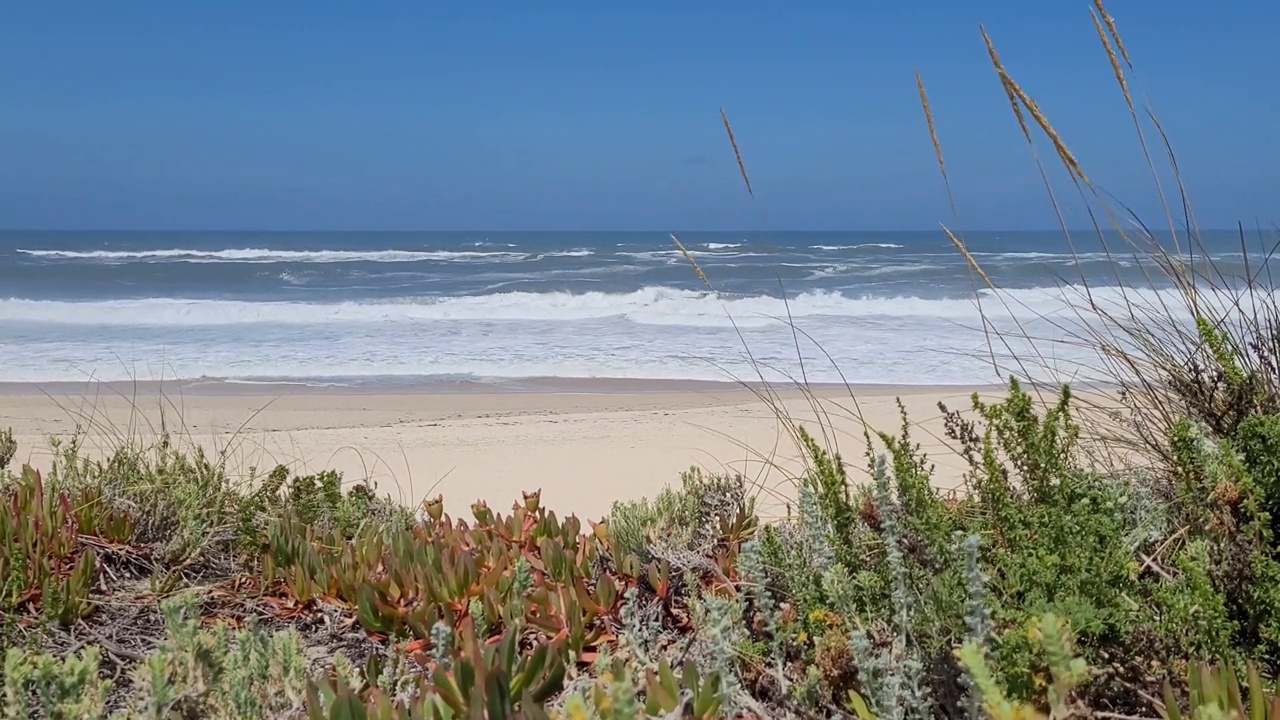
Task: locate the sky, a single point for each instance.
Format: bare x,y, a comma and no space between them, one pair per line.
581,116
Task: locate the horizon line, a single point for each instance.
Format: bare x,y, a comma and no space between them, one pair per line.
385,231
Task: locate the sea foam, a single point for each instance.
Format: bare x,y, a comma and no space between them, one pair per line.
268,256
651,305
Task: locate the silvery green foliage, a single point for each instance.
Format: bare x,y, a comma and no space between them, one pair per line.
890,670
345,671
58,689
720,630
640,637
218,673
800,550
979,626
400,677
476,610
815,529
838,588
679,525
1204,451
624,696
441,644
210,673
751,570
1145,513
881,684
755,582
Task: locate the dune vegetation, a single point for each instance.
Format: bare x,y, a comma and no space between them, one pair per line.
1130,573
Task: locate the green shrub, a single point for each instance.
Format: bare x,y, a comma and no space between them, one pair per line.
184,502
317,500
8,448
679,525
1258,443
1042,535
1190,615
69,688
1222,502
215,673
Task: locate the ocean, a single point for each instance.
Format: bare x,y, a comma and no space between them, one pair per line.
364,308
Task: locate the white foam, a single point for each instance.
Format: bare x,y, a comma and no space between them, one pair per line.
830,270
722,246
262,255
888,246
840,269
655,332
674,256
651,305
1036,256
865,349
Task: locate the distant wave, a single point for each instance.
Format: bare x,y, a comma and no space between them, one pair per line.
831,271
261,255
888,246
678,256
722,246
1039,256
648,306
870,270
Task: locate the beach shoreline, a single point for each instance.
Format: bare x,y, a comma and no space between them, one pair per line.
430,385
586,443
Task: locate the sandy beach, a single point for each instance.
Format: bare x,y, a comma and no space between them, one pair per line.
584,443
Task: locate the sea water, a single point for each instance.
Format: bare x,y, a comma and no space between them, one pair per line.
363,307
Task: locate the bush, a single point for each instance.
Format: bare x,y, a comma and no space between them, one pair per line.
196,673
857,600
679,525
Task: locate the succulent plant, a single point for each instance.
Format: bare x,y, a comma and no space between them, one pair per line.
43,562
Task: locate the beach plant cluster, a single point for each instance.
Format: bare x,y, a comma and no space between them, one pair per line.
1045,588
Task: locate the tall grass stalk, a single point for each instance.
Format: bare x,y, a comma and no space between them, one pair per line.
1192,341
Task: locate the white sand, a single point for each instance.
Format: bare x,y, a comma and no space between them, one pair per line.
584,449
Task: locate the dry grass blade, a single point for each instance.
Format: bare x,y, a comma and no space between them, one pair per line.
1111,28
1006,84
968,256
1193,341
959,244
1018,96
1017,100
1115,61
1064,153
742,168
1123,82
692,261
933,136
987,326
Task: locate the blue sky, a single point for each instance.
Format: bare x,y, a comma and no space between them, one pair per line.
503,115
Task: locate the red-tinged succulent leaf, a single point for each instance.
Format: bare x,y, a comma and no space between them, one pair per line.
533,500
446,685
606,594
